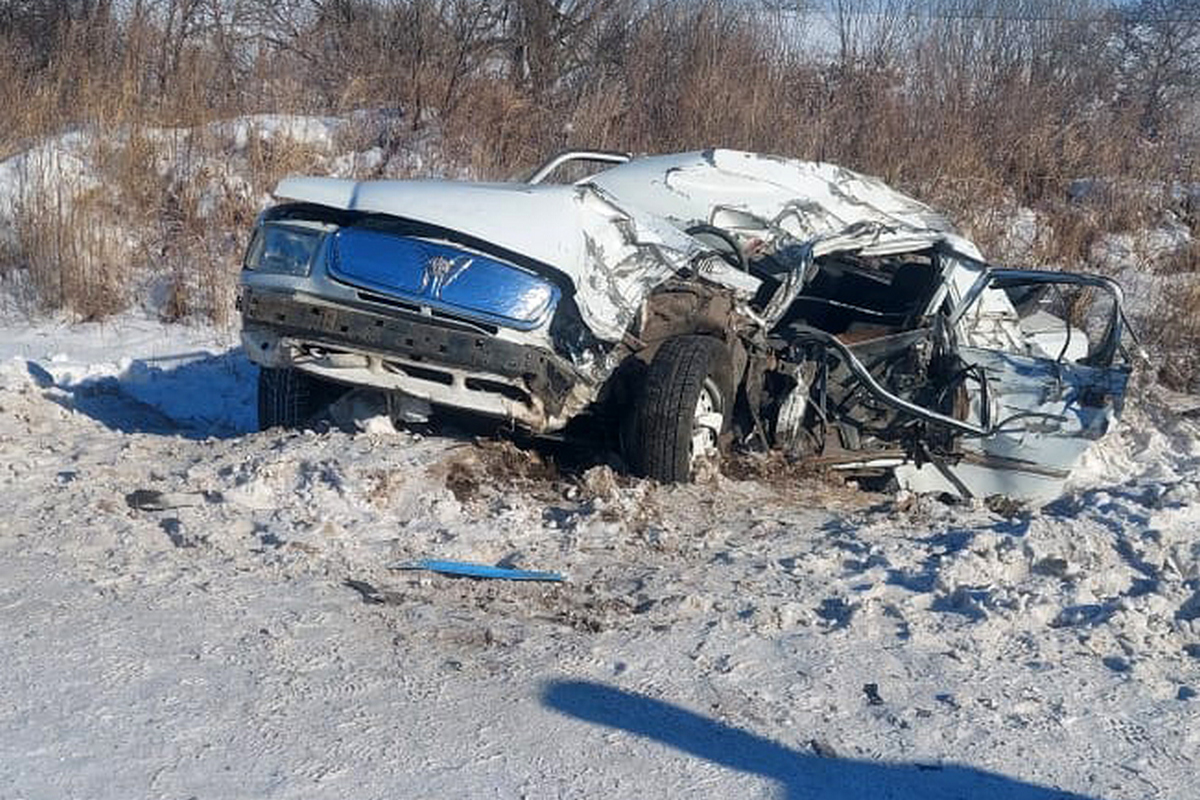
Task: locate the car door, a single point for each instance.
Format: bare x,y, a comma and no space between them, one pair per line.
1048,348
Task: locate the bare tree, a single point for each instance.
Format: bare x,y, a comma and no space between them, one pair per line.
1159,59
550,39
37,26
871,32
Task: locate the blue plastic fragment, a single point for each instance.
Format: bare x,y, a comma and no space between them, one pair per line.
471,570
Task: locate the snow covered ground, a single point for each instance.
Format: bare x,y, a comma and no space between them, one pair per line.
193,609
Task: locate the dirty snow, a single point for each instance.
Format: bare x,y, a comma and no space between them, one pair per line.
193,609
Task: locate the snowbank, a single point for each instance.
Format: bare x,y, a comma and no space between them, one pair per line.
209,616
194,381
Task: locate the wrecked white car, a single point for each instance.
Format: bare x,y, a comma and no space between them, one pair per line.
683,304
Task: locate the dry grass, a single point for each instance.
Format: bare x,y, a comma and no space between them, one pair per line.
980,117
71,256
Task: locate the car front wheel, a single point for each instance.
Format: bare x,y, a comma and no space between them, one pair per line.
684,408
289,398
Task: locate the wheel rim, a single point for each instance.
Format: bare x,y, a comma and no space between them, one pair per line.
707,421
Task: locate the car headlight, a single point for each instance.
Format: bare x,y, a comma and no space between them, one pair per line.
284,248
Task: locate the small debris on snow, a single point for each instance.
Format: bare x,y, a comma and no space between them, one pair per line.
152,500
871,690
369,593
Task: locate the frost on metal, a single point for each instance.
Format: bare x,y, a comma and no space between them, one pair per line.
684,303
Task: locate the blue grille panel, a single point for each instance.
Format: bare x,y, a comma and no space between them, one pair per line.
441,276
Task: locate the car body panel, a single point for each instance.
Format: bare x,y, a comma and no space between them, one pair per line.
1047,415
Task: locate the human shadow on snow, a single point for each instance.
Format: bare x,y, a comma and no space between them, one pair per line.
806,775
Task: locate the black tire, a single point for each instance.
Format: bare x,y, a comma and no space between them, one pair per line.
289,398
666,413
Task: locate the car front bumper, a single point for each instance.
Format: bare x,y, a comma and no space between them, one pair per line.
419,356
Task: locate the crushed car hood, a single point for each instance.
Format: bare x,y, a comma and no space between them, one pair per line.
619,234
612,256
807,199
541,222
